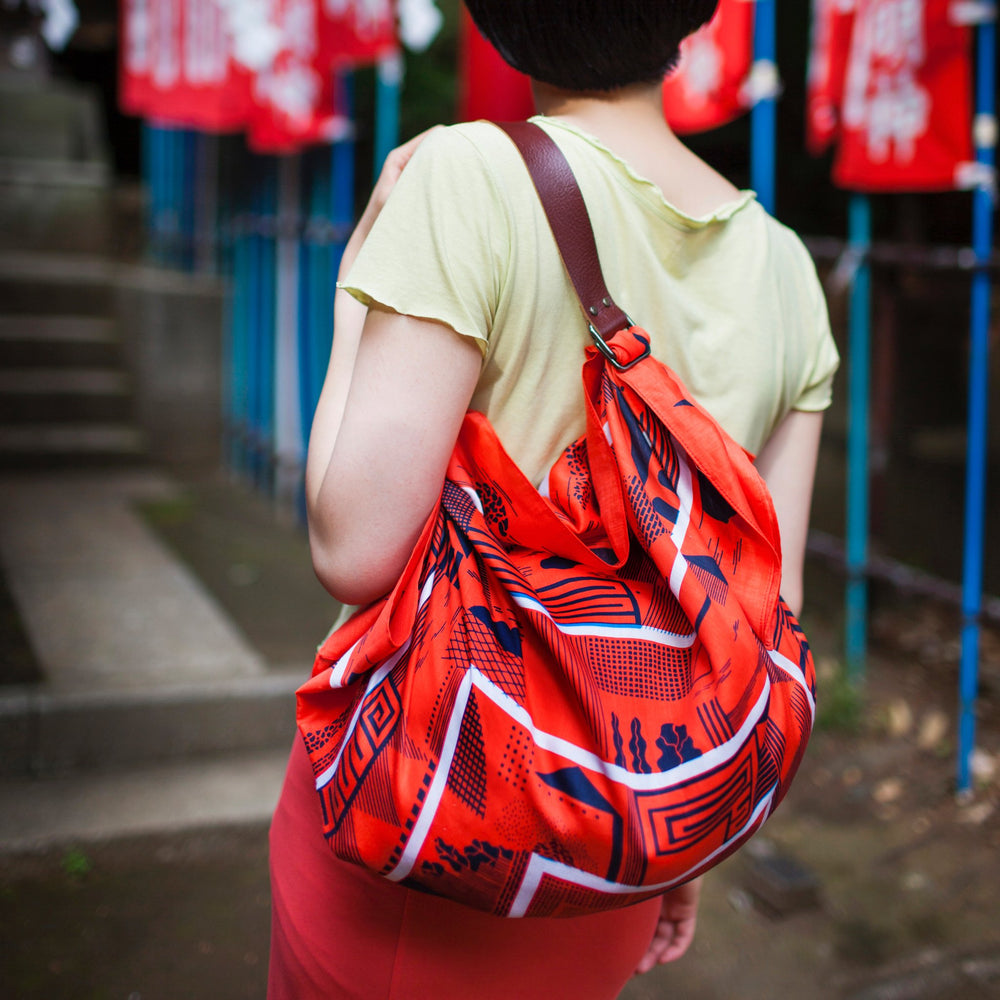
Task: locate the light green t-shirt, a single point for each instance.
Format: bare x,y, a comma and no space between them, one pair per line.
731,301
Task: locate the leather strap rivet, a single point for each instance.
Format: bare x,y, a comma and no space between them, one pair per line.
606,302
593,310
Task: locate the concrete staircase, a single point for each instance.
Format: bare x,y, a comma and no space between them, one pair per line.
65,394
155,713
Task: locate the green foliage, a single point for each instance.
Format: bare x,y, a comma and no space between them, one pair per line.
839,702
165,513
76,864
429,91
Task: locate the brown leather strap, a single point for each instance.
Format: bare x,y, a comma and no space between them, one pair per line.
567,214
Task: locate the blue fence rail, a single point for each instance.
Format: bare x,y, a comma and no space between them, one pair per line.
276,228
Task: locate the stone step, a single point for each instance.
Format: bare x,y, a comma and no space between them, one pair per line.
53,445
63,382
67,395
48,732
63,811
56,284
58,341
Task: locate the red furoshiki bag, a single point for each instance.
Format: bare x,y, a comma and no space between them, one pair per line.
577,698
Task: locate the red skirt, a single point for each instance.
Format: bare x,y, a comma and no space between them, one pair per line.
337,931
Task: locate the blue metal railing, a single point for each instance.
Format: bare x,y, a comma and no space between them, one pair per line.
764,114
858,402
979,349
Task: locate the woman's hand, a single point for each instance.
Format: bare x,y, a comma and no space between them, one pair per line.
675,929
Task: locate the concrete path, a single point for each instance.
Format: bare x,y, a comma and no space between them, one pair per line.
106,607
155,713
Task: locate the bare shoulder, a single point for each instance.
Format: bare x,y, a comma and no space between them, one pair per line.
693,186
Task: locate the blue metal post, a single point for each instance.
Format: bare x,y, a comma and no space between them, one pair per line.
975,478
342,176
859,381
288,450
763,115
156,173
173,186
266,332
307,255
236,388
188,148
332,209
255,365
318,291
388,81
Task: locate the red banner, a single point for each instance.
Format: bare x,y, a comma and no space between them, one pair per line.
177,65
356,32
219,66
710,85
833,21
487,87
907,100
293,98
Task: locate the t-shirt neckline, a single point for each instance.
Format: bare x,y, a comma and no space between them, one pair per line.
650,191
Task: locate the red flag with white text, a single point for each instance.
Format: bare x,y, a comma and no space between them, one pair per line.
220,65
356,32
907,102
177,65
833,21
293,96
296,100
710,86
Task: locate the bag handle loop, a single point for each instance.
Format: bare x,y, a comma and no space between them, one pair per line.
566,211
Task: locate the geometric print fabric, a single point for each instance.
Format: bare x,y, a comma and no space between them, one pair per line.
576,698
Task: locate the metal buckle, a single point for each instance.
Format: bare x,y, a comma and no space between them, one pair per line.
603,347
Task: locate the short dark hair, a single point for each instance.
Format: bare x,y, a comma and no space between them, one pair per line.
589,45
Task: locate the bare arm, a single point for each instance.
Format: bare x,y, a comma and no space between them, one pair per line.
395,393
410,388
348,321
788,464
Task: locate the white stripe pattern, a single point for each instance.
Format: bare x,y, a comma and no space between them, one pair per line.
795,672
539,867
678,640
683,522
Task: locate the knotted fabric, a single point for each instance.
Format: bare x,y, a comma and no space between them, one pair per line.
574,697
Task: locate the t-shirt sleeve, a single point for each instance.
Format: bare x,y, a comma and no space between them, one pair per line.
820,359
817,384
439,249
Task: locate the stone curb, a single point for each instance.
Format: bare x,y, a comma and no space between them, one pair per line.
163,800
45,733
